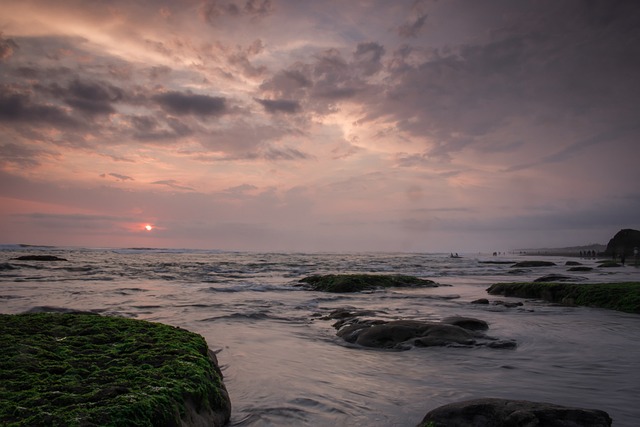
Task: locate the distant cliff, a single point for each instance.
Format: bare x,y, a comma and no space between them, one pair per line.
624,242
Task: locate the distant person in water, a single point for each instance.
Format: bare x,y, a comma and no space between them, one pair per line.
622,258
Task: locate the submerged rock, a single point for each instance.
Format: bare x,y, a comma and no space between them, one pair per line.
340,283
558,278
624,296
534,264
580,268
405,334
39,258
511,413
79,369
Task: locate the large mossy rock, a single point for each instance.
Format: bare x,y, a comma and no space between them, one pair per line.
615,296
623,242
363,282
513,413
89,370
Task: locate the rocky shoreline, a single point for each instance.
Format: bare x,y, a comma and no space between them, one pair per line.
94,370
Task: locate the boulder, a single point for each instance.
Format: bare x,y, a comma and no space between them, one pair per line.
623,242
467,323
405,334
81,369
513,413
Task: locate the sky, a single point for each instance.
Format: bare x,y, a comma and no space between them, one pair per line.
325,125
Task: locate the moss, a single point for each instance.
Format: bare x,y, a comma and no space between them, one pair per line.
80,369
616,296
362,282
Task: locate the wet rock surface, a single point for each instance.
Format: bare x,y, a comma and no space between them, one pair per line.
513,413
454,331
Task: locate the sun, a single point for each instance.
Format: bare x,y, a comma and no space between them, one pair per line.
148,227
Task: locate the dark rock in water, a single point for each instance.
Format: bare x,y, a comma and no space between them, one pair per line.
534,264
61,310
405,334
39,258
6,266
609,264
581,268
480,301
623,243
513,413
558,278
508,304
361,282
572,263
466,323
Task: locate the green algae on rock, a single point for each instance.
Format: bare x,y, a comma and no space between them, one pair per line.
361,282
89,370
615,296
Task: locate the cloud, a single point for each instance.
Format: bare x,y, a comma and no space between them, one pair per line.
416,20
367,57
211,10
279,105
24,156
181,103
172,183
117,176
20,107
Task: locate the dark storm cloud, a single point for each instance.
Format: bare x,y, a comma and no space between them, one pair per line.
93,97
181,103
279,105
20,107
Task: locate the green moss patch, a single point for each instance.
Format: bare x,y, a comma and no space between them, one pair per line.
363,282
90,370
615,296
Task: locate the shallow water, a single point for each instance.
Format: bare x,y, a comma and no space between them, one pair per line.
283,364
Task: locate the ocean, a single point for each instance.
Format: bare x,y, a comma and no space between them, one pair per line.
284,365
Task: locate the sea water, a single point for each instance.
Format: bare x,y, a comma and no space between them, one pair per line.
284,365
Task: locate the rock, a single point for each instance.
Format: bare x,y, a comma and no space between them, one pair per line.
508,304
466,323
534,264
480,301
39,258
609,264
340,283
98,370
581,268
558,278
623,296
405,334
513,413
623,243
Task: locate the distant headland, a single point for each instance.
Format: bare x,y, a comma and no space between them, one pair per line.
625,242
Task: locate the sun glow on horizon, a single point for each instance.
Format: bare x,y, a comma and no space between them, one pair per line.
148,227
